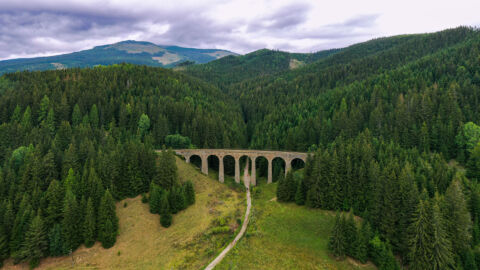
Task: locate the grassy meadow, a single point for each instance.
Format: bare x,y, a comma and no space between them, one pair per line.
285,236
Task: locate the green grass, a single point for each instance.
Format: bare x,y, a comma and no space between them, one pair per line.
285,236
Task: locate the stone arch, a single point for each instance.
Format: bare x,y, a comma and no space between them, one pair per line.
298,163
262,165
195,159
278,167
229,165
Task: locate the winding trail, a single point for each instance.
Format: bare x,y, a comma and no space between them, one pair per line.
219,258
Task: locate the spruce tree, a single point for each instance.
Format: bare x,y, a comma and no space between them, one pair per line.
458,218
420,253
301,193
155,196
282,192
337,243
4,250
365,234
89,224
442,256
189,193
54,196
36,243
166,220
350,235
70,224
55,240
167,170
107,221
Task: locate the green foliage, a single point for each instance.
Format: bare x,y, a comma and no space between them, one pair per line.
337,243
301,193
177,141
55,240
382,255
166,220
176,199
189,193
89,224
167,176
156,194
107,221
473,164
72,229
143,125
36,243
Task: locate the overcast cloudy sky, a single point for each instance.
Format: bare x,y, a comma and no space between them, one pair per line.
45,27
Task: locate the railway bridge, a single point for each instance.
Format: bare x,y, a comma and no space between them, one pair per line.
288,157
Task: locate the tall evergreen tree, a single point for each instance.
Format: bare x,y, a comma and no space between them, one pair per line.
107,221
36,243
337,243
459,223
70,225
189,193
55,240
421,238
89,224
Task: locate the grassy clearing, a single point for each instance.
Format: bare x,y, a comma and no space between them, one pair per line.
196,236
285,236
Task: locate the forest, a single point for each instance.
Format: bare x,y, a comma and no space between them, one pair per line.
392,126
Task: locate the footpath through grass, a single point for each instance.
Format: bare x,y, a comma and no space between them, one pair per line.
285,236
196,236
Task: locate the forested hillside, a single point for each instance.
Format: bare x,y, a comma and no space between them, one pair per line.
72,141
384,119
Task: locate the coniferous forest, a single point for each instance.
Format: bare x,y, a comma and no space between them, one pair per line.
392,126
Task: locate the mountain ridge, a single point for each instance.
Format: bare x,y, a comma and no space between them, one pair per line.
129,51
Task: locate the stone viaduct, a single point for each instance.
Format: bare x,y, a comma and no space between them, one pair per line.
288,157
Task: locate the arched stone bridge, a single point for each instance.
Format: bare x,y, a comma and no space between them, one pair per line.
288,157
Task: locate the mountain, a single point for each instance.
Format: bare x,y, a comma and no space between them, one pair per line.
135,52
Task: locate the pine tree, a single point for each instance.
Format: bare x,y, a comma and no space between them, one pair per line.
107,221
189,193
89,224
76,116
290,186
364,236
55,239
94,116
301,193
4,250
421,238
54,197
166,220
155,197
176,200
337,243
282,192
36,243
167,170
442,256
164,204
458,217
70,224
350,235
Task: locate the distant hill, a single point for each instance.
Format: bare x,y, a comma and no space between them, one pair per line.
135,52
234,69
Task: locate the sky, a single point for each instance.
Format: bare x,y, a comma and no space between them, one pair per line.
31,28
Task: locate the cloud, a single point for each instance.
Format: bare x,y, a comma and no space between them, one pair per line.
45,27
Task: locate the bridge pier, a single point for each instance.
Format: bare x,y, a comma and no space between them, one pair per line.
270,165
237,169
187,158
221,176
288,166
253,177
204,164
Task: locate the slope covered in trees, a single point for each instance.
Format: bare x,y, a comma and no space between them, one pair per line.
73,141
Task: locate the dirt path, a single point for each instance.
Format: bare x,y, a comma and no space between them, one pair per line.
219,258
